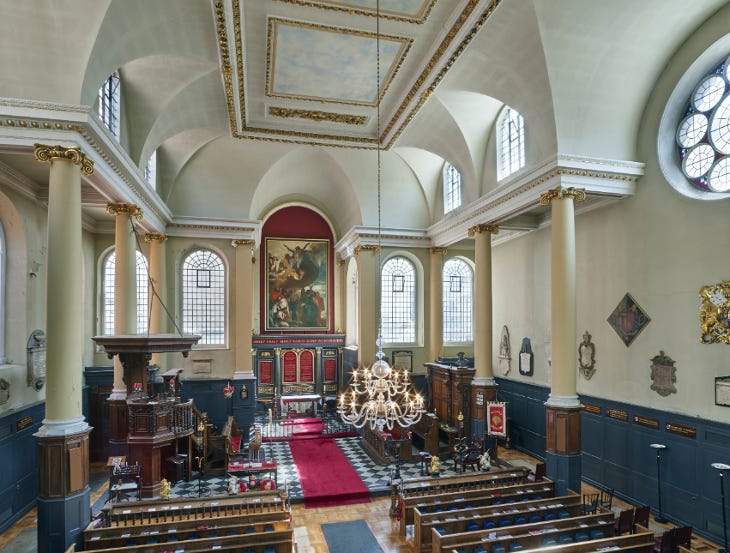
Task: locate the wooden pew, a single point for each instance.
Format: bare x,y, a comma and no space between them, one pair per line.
530,536
499,516
637,543
276,541
184,508
425,512
412,489
174,531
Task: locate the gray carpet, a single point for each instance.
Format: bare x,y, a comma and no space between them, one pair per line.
350,537
25,542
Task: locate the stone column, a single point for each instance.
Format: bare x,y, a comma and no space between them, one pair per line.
368,275
157,294
483,387
243,317
563,458
436,301
63,439
125,316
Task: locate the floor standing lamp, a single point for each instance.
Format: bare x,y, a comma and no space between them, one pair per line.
722,467
658,448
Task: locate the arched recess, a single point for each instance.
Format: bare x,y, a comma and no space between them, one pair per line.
16,279
427,168
351,320
311,176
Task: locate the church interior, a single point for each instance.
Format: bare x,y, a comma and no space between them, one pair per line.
225,224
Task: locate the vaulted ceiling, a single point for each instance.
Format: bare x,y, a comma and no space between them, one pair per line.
254,103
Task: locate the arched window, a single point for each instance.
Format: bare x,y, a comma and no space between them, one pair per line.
150,170
204,297
703,134
510,143
457,298
398,301
452,187
109,103
107,316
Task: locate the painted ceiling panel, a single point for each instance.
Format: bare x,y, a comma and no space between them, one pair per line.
330,63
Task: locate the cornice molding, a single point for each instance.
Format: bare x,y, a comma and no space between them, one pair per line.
226,229
602,178
388,238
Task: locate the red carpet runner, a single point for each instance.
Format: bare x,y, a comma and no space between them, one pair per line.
327,477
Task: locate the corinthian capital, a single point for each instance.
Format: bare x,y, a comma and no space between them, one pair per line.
125,209
578,194
478,229
155,237
73,154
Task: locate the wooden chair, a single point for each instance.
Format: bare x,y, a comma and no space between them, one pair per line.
665,542
539,474
625,522
125,483
606,499
683,537
590,503
641,517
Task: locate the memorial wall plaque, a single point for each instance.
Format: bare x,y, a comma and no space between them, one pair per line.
266,371
617,414
306,366
330,369
37,359
289,366
649,422
591,408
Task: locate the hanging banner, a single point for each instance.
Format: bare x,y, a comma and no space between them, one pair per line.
497,419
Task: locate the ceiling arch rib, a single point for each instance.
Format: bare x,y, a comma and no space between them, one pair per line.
151,89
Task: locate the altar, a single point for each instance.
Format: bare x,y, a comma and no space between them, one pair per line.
301,403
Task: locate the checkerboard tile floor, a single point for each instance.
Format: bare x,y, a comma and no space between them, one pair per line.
376,477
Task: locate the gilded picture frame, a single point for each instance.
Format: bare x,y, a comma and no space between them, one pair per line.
296,276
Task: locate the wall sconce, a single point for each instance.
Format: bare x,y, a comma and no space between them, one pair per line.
244,392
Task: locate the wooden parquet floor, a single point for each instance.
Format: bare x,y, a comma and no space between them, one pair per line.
308,532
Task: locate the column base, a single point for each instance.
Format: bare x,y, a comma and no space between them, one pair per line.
565,471
61,521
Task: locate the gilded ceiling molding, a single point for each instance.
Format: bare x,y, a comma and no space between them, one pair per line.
73,154
436,250
578,194
346,118
125,209
406,44
423,77
365,247
395,16
478,229
226,69
25,123
155,237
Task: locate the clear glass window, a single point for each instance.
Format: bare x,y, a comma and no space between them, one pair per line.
204,297
457,297
109,102
510,143
141,270
452,188
703,134
398,301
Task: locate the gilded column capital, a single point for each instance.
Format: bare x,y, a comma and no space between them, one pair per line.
125,209
339,260
251,243
155,237
478,229
366,247
578,194
73,154
438,251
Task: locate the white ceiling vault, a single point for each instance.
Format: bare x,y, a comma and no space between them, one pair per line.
255,104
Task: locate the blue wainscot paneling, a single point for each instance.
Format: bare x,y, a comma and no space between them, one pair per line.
526,414
208,397
616,440
19,462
